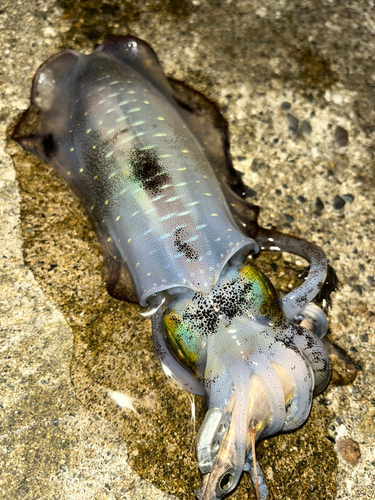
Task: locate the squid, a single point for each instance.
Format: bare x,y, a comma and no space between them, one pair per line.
149,160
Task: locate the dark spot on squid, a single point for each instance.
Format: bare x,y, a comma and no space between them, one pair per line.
230,301
309,339
117,134
182,246
148,169
50,146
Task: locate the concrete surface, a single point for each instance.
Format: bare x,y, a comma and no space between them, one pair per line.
286,74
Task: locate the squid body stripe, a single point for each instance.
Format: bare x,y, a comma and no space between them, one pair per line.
193,238
166,217
128,139
123,103
157,198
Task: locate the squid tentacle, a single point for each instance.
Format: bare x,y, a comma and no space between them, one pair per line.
240,373
302,377
262,486
316,354
275,394
295,301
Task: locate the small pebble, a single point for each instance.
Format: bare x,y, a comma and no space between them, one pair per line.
364,337
301,199
349,451
369,129
285,106
325,402
360,309
348,197
292,122
341,136
338,202
254,165
370,280
241,158
337,98
305,128
319,205
289,218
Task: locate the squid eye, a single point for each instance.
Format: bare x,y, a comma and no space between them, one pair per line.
226,481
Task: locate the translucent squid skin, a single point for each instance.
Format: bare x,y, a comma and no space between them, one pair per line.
150,163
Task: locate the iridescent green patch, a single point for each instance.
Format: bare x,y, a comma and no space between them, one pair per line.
185,343
263,293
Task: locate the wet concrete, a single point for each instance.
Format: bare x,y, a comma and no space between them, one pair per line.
65,342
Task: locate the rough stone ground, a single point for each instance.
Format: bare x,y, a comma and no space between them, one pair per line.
286,74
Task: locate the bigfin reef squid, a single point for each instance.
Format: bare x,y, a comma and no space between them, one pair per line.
149,160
